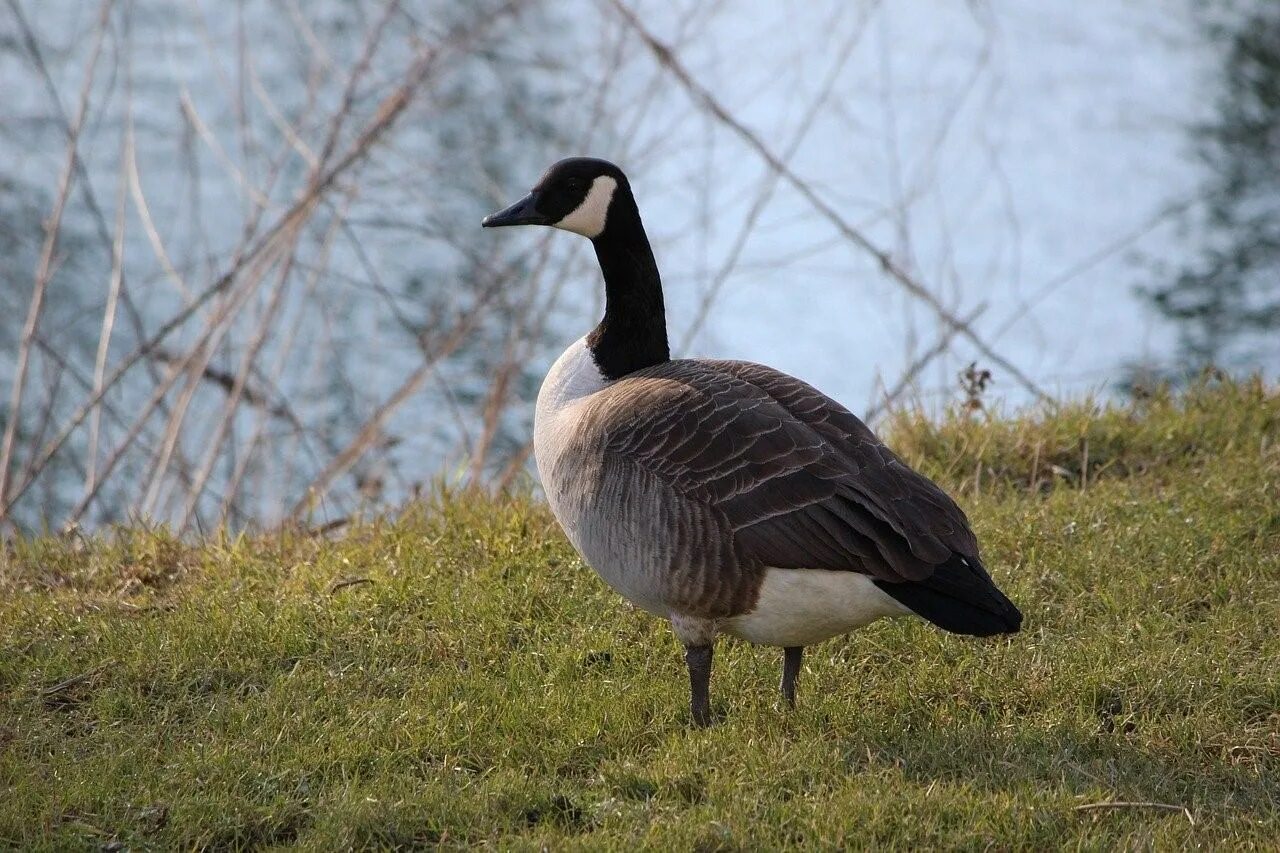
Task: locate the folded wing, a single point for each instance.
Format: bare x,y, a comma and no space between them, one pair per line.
798,481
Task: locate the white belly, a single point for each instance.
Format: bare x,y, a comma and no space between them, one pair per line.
591,527
572,379
798,607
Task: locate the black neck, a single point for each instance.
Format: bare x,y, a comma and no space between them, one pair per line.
633,333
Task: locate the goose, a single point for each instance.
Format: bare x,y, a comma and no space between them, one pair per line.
726,496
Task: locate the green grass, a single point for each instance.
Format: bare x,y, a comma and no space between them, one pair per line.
485,687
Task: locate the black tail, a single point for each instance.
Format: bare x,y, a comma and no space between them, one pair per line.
959,597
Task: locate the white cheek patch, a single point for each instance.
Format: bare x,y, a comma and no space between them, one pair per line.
588,218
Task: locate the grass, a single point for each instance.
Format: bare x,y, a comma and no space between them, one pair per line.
456,677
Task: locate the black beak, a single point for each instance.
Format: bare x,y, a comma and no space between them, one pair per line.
522,212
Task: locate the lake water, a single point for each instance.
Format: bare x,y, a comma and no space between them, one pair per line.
1019,159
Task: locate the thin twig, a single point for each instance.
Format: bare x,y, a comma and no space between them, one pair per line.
108,319
1094,258
1133,804
372,428
346,582
770,183
77,680
919,364
232,401
45,268
282,357
1084,464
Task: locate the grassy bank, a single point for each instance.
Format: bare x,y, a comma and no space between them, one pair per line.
456,676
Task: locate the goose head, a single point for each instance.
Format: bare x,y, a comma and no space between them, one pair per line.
574,195
593,198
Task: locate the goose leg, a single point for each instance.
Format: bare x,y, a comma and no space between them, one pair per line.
698,659
791,656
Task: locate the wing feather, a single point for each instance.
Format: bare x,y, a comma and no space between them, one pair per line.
797,480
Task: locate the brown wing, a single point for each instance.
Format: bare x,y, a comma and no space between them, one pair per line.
797,480
916,509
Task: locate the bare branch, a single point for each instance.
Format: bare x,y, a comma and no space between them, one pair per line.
372,427
917,365
770,183
271,243
667,59
46,264
1127,804
108,322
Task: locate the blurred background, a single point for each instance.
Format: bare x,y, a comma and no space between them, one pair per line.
242,279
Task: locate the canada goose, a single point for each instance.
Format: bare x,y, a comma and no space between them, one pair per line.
727,496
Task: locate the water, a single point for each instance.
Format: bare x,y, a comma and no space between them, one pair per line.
1014,157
